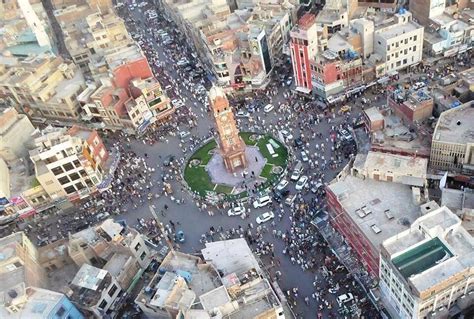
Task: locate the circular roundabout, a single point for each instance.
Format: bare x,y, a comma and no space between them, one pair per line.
207,177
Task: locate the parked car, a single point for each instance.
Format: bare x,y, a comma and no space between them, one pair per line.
304,156
280,195
265,217
297,171
345,298
262,201
298,142
236,211
184,134
301,183
286,135
268,108
243,113
282,185
290,200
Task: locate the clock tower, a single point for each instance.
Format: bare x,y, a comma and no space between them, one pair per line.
231,145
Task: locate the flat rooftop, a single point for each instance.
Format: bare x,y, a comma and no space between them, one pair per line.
456,125
373,114
40,304
380,209
230,256
398,164
435,248
395,30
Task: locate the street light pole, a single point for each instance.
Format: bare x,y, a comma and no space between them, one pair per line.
162,229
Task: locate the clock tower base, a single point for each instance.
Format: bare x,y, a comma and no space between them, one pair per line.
235,159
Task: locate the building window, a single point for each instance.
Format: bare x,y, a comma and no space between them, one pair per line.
61,312
74,176
57,170
103,304
77,163
68,167
112,290
70,189
414,48
137,246
414,38
64,180
142,256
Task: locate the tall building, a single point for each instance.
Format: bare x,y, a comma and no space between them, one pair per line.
427,269
452,147
375,200
69,163
15,134
44,86
398,43
231,145
303,49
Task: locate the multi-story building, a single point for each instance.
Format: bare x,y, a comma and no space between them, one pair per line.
334,16
398,43
191,287
428,268
240,48
303,49
452,147
411,105
367,206
69,164
38,303
112,257
44,86
334,73
15,134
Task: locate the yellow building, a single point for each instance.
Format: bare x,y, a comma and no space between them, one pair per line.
44,86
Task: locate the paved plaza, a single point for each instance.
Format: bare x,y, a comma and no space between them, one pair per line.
248,176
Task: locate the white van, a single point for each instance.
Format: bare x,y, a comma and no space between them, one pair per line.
262,201
345,298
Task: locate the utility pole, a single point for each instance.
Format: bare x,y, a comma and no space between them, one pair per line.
162,229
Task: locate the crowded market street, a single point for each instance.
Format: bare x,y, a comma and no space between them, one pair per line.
150,174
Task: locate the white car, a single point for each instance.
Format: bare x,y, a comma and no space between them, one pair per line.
265,217
304,156
301,183
243,113
177,103
182,62
286,135
262,201
184,134
345,298
268,108
295,175
281,185
236,211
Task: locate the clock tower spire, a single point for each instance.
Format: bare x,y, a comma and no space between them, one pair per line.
231,145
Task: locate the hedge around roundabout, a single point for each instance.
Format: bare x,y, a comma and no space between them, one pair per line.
199,181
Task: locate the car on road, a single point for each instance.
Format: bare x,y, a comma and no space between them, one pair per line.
298,142
345,108
297,171
286,135
177,103
179,237
282,185
236,211
243,113
265,217
304,156
345,298
301,182
280,195
184,134
262,201
168,160
345,135
290,200
268,108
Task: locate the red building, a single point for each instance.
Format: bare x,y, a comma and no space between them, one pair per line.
125,73
303,49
